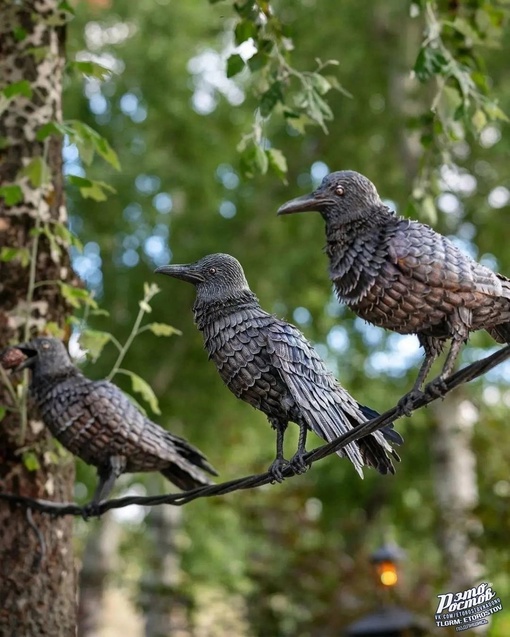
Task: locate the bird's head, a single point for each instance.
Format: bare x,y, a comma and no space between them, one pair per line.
342,197
45,355
216,277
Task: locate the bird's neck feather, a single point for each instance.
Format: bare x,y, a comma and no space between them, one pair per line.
40,376
357,249
210,310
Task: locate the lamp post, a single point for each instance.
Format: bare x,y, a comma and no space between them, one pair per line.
388,620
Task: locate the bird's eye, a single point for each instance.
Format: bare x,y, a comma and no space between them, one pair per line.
46,345
212,270
339,190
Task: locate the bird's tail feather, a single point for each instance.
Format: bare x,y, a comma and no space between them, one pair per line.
500,333
186,478
187,471
191,453
388,432
373,450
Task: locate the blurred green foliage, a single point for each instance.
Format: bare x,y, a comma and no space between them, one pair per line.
298,552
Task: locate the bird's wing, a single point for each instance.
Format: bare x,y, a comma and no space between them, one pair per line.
128,432
327,408
428,257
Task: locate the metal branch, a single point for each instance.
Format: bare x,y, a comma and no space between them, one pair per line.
250,482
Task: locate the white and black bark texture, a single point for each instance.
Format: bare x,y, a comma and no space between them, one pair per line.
455,478
37,573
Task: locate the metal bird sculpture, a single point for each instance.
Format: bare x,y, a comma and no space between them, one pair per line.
269,364
404,276
96,421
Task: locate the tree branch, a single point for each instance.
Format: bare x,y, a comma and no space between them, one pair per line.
250,482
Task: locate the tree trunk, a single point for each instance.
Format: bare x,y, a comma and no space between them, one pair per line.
37,573
165,608
99,561
454,467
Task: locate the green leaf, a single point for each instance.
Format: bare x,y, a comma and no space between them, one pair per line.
253,161
277,162
245,29
66,236
54,329
270,98
494,112
94,341
10,254
235,64
12,194
37,171
142,387
162,329
297,122
51,128
38,52
258,61
320,83
479,120
3,411
462,26
429,63
246,10
19,33
99,312
22,87
90,189
104,149
76,297
91,69
89,142
30,461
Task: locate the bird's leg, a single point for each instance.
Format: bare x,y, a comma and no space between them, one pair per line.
107,475
297,462
437,387
459,323
279,463
433,348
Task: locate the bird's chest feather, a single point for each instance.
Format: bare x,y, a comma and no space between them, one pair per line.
237,344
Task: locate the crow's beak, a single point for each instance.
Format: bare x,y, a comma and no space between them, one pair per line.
30,353
183,272
306,203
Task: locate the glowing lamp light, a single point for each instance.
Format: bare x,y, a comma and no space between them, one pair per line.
385,562
387,572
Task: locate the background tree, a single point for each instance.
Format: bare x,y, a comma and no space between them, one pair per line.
37,565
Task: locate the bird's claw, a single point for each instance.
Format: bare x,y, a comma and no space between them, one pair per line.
277,468
405,404
90,510
298,463
436,388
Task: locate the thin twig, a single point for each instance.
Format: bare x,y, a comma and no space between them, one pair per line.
250,482
40,538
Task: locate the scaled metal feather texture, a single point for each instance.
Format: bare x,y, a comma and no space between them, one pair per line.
401,274
96,421
269,364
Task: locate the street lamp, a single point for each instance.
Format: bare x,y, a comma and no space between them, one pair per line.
388,620
385,561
